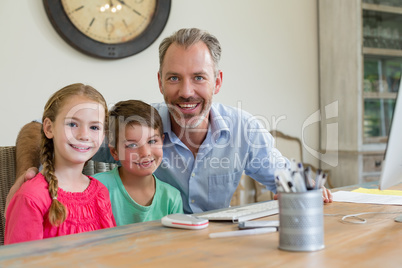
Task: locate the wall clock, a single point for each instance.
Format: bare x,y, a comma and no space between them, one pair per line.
109,29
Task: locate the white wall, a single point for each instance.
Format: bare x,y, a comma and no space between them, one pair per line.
269,61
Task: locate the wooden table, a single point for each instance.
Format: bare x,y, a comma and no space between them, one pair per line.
374,244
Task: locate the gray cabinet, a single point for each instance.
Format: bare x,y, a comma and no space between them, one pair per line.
360,69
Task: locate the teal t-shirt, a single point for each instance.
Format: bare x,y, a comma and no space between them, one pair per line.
167,200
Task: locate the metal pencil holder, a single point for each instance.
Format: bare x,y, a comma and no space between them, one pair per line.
301,221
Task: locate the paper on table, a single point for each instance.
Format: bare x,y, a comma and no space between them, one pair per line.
377,191
354,197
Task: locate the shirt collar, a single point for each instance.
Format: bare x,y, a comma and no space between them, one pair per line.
164,114
218,123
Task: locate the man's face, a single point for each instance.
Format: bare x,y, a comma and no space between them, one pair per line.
188,83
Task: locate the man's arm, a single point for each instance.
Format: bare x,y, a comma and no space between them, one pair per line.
271,160
27,155
28,147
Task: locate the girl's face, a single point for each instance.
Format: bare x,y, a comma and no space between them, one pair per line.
139,150
77,131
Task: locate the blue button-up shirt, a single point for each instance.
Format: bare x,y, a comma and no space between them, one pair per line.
236,142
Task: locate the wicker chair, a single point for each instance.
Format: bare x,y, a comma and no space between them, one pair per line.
93,167
7,178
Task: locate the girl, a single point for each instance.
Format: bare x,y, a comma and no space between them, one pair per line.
60,200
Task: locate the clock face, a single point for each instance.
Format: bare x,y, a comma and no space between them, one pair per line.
112,21
108,29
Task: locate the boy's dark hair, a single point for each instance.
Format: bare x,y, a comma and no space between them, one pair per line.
132,112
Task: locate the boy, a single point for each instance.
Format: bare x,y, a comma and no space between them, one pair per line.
136,139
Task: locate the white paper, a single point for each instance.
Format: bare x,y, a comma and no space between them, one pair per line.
353,197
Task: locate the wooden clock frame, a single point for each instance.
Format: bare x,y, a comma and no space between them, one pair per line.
89,46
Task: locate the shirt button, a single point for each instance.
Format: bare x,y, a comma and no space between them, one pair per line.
192,174
192,201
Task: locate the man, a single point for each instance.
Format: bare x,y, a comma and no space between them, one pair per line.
207,145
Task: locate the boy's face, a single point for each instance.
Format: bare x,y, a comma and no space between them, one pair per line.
139,150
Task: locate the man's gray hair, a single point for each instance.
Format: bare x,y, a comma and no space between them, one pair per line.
187,38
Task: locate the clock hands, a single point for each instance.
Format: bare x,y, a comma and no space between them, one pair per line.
124,4
113,8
